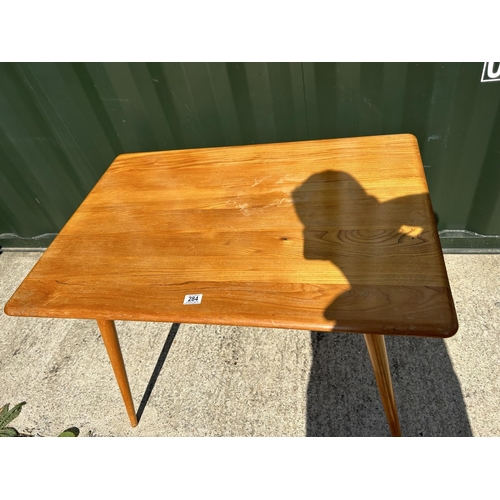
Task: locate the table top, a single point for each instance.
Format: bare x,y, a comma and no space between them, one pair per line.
334,234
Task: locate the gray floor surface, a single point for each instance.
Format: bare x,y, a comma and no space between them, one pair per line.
229,381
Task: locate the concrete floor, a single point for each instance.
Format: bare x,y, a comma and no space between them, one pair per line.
231,381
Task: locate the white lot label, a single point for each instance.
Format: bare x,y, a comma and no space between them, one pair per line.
194,298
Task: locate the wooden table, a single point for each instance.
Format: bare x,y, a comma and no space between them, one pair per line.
325,235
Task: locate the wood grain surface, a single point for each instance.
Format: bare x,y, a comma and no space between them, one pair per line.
323,235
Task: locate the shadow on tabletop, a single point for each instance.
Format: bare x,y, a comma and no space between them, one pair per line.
342,395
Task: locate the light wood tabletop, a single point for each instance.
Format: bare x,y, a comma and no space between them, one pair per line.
329,235
319,235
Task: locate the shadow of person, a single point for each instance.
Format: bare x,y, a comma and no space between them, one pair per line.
341,225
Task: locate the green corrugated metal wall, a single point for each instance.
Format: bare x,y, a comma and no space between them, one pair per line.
62,124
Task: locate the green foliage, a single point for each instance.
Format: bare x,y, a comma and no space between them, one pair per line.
8,432
6,417
71,432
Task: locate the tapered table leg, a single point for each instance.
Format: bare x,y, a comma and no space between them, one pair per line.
380,363
110,339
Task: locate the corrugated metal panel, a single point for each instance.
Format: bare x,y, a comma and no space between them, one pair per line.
61,125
